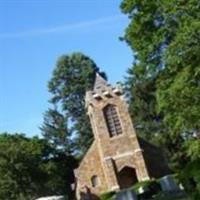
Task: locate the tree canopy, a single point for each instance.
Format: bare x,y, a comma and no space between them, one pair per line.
30,168
73,75
165,39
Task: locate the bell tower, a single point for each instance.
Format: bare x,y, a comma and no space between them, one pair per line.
120,153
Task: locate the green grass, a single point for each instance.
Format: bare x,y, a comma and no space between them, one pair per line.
107,196
141,184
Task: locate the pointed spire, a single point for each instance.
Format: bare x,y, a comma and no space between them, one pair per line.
101,90
100,82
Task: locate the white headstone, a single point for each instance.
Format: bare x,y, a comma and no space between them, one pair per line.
51,198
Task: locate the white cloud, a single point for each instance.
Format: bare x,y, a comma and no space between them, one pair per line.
63,28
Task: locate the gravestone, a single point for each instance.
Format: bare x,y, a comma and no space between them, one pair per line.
51,198
168,184
126,195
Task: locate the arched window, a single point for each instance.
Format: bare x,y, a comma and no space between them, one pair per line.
112,120
95,181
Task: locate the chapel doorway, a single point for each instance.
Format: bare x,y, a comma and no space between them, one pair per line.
127,177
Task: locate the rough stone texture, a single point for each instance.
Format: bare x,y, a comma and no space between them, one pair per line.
110,158
91,165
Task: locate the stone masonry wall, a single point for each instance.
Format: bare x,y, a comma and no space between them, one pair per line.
120,145
90,166
109,155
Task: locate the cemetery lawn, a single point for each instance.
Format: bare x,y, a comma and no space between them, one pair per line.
158,195
161,196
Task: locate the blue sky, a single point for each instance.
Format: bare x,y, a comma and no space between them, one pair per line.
34,33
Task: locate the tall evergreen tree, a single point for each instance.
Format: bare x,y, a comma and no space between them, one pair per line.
55,130
73,76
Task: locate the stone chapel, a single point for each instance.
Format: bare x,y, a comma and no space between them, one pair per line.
117,158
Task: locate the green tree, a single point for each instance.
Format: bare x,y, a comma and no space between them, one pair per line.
178,91
73,76
19,166
165,38
30,168
142,106
142,36
190,175
55,131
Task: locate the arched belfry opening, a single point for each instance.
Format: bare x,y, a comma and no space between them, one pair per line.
112,120
127,177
